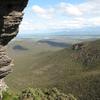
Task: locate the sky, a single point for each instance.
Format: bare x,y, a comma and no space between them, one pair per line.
48,16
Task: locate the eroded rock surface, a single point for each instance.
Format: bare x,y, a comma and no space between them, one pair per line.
10,17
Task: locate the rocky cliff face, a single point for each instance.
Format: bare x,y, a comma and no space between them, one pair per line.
10,17
87,53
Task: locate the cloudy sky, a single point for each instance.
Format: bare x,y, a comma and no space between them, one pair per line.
42,16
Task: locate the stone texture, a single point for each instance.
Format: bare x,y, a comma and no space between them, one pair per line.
10,17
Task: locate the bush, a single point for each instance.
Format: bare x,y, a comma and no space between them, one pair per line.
38,94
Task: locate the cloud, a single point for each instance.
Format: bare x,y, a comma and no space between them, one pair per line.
90,8
96,1
64,16
95,21
28,25
37,9
44,13
75,23
70,9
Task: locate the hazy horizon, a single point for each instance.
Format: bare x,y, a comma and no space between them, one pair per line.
65,17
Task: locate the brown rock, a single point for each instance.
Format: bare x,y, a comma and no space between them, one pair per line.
10,17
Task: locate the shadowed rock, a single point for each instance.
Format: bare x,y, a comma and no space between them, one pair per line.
10,17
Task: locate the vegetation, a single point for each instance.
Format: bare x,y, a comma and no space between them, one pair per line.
38,94
89,54
45,67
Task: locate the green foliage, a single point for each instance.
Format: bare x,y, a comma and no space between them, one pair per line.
38,94
8,95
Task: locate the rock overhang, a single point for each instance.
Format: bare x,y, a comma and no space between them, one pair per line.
11,14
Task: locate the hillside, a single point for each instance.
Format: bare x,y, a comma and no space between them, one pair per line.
54,43
88,53
62,70
19,47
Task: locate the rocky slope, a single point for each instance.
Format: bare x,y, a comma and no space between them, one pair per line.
10,17
88,53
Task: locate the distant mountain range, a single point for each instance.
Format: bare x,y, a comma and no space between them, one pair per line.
49,36
91,32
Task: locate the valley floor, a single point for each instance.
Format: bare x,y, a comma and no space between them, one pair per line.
45,66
